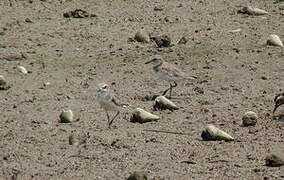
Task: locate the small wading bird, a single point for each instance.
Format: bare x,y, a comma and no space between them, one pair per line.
108,102
278,100
168,72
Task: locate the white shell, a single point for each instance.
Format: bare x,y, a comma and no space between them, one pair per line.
254,11
235,30
142,116
274,40
161,102
2,80
215,133
22,69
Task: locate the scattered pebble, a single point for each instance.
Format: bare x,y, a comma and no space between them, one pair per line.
22,69
74,139
212,133
250,118
28,20
161,102
138,176
78,13
235,30
142,36
46,84
142,116
3,83
264,78
159,8
162,41
252,11
170,19
183,40
274,40
66,116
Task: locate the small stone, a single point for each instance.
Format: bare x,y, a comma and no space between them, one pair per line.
159,8
170,19
250,118
78,13
28,20
162,41
66,116
22,69
3,83
46,84
183,40
142,116
274,40
138,176
142,36
264,78
74,139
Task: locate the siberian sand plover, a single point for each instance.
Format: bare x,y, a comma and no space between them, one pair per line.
278,100
168,72
108,102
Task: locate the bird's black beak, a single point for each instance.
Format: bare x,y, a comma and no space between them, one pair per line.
149,61
275,108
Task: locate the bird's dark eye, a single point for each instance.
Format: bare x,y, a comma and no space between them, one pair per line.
105,86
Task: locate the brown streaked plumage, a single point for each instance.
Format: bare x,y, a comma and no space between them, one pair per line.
168,72
278,100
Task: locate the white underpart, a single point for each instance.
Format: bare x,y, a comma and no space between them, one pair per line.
167,76
105,100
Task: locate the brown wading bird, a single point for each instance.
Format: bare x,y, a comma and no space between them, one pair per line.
108,102
278,100
168,72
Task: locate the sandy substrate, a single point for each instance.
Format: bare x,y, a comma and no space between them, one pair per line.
237,72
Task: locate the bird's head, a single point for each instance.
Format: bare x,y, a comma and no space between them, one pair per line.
155,60
102,88
278,100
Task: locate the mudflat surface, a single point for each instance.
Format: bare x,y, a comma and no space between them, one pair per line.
237,72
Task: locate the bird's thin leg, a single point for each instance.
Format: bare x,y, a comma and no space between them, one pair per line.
171,88
165,92
109,124
107,117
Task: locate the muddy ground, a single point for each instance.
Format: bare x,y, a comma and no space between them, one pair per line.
236,73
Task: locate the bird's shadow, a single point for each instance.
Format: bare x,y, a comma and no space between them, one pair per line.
153,97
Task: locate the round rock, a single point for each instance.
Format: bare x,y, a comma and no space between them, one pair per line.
162,41
3,83
138,176
250,118
142,36
66,116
